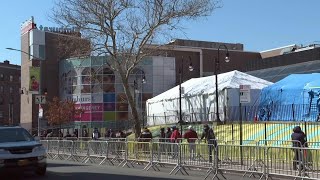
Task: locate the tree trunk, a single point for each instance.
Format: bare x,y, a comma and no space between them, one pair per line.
135,115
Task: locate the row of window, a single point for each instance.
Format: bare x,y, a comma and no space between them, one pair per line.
11,100
11,78
2,89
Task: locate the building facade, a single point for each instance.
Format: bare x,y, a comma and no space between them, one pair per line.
9,93
41,50
96,89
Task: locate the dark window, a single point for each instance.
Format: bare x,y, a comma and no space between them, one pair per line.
1,114
1,100
11,90
1,77
1,89
11,100
14,135
11,78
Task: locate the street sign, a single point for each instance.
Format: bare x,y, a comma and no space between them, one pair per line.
40,99
245,93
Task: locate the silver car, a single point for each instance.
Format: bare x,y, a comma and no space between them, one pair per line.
20,151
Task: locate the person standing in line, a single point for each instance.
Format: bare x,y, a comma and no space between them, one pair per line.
210,137
168,137
162,140
191,136
175,138
96,134
299,140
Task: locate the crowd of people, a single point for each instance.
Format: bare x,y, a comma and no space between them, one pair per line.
172,135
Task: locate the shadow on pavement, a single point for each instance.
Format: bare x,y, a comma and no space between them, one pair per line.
77,176
50,165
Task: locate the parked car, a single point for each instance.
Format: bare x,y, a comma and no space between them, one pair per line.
20,151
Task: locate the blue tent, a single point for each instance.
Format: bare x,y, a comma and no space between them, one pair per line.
294,98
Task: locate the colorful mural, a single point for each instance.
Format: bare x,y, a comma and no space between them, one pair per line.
97,90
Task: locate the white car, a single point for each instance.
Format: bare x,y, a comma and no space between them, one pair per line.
20,151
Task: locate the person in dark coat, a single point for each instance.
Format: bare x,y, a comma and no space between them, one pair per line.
210,137
168,134
162,136
299,139
145,135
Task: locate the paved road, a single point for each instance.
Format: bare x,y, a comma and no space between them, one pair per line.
63,170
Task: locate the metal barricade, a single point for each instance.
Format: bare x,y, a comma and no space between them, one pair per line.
194,154
80,151
263,159
258,165
284,161
139,153
311,162
117,151
65,149
164,153
242,158
53,149
97,151
210,153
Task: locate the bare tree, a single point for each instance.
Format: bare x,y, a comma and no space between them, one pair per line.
121,29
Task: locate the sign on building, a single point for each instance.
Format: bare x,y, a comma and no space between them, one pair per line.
39,99
245,93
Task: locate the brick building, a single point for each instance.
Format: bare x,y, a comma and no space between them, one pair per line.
9,93
44,47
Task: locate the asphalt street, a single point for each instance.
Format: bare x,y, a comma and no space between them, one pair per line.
63,170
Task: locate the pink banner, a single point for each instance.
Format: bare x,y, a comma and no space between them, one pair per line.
92,112
92,107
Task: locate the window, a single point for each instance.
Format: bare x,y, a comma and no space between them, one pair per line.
14,135
11,78
1,100
11,90
1,114
1,77
11,100
1,89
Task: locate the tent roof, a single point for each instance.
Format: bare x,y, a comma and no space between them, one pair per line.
206,85
297,81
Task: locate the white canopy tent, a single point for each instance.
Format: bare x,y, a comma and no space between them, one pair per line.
198,99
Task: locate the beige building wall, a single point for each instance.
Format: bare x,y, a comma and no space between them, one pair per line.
26,97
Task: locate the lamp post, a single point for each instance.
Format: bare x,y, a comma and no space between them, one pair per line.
180,89
216,69
136,90
40,90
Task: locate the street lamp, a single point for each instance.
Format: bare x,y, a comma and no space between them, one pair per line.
40,90
216,69
190,68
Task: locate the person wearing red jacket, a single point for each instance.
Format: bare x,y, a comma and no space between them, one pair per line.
191,136
175,138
